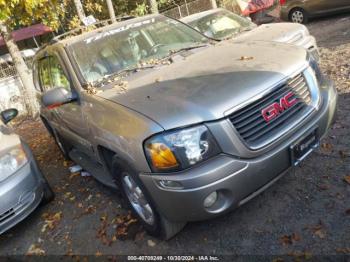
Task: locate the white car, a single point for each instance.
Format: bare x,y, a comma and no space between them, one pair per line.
222,24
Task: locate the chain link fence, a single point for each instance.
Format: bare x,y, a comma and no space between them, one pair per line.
190,7
10,85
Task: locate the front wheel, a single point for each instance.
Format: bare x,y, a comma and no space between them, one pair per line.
298,15
137,199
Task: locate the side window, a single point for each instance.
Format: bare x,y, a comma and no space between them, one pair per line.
44,74
58,77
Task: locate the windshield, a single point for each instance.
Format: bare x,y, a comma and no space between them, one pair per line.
221,25
118,49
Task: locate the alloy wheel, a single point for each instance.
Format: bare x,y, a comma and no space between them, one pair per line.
137,199
298,17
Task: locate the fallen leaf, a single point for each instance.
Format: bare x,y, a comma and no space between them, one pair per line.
35,250
320,233
290,239
74,175
347,179
343,154
324,187
243,58
343,250
51,221
319,230
327,146
151,243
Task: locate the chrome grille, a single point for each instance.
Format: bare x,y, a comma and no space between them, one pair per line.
250,123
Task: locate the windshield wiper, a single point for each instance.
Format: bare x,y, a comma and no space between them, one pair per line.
128,70
171,52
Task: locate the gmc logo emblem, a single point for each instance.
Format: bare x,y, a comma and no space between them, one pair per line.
272,111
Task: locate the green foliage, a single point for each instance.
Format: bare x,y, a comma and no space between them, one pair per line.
61,14
19,13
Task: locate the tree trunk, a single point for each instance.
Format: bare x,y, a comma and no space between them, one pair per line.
80,10
154,6
213,4
27,88
111,11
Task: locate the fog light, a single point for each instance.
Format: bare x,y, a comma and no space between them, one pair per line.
170,184
210,199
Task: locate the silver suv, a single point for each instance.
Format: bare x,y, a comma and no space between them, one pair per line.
186,127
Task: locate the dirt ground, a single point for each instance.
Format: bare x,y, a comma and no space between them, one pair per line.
304,215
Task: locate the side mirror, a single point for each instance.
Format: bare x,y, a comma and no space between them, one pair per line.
57,96
8,115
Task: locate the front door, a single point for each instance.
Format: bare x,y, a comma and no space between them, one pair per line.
68,119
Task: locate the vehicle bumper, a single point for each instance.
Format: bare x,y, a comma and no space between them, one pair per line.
236,180
20,194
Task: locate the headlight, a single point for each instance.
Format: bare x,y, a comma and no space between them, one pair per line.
11,161
178,150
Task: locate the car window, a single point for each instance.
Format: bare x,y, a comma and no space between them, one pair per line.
221,25
58,77
44,74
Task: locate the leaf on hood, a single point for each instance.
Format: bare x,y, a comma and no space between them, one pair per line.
245,58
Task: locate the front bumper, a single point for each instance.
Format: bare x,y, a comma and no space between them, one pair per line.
236,180
20,194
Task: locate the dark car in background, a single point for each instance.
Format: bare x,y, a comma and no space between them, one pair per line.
299,11
22,185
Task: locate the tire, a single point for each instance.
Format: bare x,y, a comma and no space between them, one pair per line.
298,15
48,194
153,222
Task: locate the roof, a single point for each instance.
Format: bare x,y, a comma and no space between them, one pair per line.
197,16
28,32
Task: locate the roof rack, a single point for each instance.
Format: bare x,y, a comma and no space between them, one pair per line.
83,29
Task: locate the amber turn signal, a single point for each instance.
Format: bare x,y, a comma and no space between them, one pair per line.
161,156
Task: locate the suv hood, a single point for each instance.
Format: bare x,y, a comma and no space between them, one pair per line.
279,32
209,83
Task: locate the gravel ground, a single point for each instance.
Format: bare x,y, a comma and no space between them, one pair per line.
304,215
